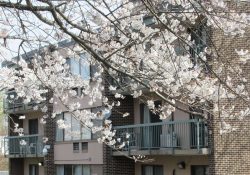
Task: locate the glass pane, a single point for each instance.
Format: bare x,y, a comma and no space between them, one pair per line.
67,130
67,169
59,132
75,129
198,170
97,123
59,170
206,170
85,67
33,169
148,170
86,169
158,170
33,126
74,66
86,133
77,170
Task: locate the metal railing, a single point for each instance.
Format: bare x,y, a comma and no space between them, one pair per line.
23,146
187,134
13,103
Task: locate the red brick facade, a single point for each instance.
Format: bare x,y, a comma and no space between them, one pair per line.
230,153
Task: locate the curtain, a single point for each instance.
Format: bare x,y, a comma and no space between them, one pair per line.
77,170
86,169
158,170
59,170
67,170
33,169
148,170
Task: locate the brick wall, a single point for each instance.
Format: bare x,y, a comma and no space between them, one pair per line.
231,152
3,163
50,132
116,165
119,165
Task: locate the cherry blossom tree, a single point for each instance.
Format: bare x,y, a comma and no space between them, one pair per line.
161,47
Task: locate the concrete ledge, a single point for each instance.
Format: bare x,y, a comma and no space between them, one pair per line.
164,151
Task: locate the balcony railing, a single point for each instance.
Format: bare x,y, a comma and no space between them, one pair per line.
179,135
23,146
15,104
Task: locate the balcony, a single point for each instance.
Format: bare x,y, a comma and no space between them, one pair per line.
23,146
183,137
13,104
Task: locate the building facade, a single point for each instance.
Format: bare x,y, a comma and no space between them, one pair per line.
62,153
181,145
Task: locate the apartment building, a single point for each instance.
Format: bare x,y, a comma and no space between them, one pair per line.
181,145
62,153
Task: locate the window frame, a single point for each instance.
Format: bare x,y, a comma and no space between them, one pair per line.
36,169
84,147
199,36
62,116
76,147
205,169
153,167
81,63
71,166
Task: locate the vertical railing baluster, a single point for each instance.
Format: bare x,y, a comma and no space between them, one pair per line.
198,135
140,137
128,141
171,136
36,145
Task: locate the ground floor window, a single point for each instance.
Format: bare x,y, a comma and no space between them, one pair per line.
152,170
199,170
73,170
33,169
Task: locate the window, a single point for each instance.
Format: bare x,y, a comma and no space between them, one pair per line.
199,38
67,131
152,170
84,146
76,147
68,169
73,170
148,20
80,66
147,116
33,126
202,128
33,169
74,129
199,170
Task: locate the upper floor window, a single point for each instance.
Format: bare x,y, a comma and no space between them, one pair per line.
73,130
199,38
80,66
